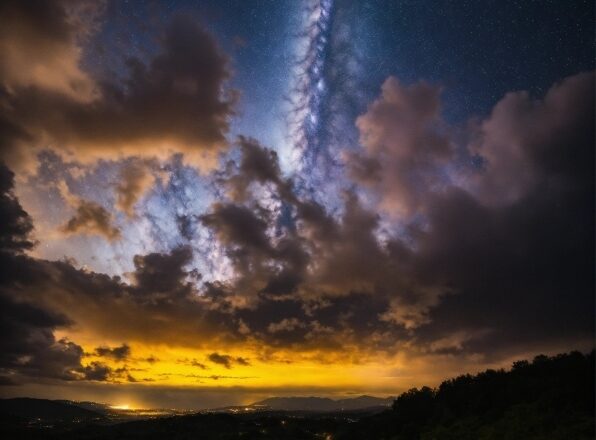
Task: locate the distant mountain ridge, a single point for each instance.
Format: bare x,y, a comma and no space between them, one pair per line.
66,409
322,403
45,409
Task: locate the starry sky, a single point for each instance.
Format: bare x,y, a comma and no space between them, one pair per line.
198,196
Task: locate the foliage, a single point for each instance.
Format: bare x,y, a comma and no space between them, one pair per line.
549,398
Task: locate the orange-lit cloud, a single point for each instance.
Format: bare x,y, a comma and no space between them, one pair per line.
172,104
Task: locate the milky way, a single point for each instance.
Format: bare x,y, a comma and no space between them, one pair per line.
310,92
312,162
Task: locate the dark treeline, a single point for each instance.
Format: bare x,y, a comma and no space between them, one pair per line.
549,398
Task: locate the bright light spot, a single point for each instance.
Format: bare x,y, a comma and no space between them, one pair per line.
122,407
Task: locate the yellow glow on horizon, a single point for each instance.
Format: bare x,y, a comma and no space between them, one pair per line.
263,372
283,371
189,367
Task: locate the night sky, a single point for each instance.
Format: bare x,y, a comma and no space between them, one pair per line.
206,203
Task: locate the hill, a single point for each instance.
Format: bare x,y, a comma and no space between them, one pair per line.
550,398
322,404
45,409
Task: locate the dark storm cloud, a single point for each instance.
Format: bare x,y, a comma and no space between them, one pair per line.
514,246
271,315
28,344
120,353
244,229
221,359
526,142
226,360
258,165
15,223
318,222
520,252
162,273
97,371
159,303
330,322
283,283
170,103
28,347
314,255
39,295
238,225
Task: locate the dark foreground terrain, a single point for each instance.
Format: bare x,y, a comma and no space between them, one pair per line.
548,398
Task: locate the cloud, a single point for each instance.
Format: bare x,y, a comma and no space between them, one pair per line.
160,276
242,361
29,347
134,180
171,103
40,50
120,353
493,235
221,359
158,304
238,225
526,141
515,243
16,225
97,371
258,165
218,376
405,143
313,256
227,360
287,325
29,350
198,364
89,217
193,363
478,260
39,46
